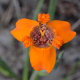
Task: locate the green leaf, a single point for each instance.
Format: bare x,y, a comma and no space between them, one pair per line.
52,8
38,9
60,55
56,65
41,73
34,75
5,69
57,61
4,72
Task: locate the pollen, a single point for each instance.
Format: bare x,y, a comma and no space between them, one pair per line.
57,42
27,41
43,18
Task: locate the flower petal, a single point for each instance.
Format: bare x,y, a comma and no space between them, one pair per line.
57,42
23,28
27,41
63,29
42,58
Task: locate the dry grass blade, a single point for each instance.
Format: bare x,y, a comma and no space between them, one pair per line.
24,8
17,8
6,17
76,25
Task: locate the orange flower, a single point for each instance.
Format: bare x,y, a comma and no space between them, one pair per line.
42,36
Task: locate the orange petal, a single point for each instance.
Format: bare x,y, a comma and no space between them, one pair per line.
57,42
27,41
42,58
43,18
63,29
23,28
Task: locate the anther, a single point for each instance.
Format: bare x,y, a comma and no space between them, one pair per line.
27,41
43,18
57,42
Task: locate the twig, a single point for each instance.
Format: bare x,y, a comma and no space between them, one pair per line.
17,8
75,25
72,71
6,17
24,8
9,14
1,10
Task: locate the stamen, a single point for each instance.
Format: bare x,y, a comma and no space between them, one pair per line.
27,41
57,42
43,18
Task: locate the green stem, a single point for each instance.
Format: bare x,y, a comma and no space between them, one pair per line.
34,75
26,66
52,8
72,71
38,9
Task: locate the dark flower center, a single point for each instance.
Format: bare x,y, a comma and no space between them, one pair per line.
42,35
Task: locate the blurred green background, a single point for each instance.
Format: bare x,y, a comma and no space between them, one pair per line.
12,52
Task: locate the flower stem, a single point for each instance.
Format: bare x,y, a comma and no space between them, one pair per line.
26,66
34,75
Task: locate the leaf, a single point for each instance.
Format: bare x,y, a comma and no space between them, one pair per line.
52,8
56,65
42,73
38,9
4,72
34,75
5,68
60,55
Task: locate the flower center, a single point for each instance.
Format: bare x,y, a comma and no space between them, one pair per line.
42,35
